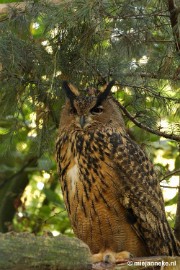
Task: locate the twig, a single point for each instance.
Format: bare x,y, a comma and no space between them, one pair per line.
151,91
154,76
176,187
175,172
140,125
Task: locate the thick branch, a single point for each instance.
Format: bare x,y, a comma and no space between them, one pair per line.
174,12
140,125
11,187
177,221
30,252
27,251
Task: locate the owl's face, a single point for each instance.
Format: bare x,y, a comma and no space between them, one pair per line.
88,112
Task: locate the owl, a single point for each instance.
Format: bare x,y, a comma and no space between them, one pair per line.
110,188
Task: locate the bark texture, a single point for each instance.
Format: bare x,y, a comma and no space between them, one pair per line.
25,251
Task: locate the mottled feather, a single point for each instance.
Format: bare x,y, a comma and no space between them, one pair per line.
111,191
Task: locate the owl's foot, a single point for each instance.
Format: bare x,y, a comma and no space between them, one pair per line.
109,256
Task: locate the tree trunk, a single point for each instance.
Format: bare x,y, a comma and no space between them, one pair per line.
177,221
11,188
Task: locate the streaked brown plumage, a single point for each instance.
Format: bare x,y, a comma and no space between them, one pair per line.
110,189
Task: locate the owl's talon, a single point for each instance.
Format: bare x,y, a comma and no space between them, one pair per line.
109,256
106,258
122,256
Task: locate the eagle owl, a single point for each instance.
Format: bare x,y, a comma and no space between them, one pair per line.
110,188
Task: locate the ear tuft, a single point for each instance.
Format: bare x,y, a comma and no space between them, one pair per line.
104,92
74,89
70,90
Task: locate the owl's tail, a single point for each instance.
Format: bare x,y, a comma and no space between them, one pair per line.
171,243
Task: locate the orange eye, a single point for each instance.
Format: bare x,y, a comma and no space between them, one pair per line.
97,110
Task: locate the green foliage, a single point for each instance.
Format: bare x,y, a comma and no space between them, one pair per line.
85,42
8,1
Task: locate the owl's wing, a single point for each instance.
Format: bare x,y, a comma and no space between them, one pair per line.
140,194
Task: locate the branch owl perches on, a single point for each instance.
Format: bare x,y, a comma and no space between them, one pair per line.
110,188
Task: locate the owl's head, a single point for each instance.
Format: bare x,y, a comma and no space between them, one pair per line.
84,112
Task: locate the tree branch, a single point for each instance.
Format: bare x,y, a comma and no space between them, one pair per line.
30,252
155,76
21,170
140,125
27,251
175,187
151,91
177,220
175,172
174,12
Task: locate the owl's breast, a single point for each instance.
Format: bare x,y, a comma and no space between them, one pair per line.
89,178
91,188
86,169
73,175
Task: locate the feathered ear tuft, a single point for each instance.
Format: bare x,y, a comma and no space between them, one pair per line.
105,92
70,90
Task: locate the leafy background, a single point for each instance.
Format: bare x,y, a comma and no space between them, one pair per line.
87,43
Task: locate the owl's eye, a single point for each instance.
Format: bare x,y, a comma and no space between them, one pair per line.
97,110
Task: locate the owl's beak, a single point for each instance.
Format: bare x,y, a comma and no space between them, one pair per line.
82,121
